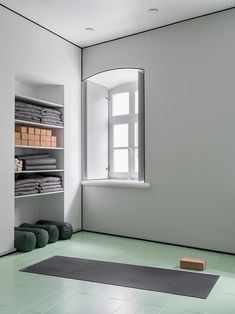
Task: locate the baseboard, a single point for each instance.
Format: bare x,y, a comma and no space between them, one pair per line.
7,252
160,242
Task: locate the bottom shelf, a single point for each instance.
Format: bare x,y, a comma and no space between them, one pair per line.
38,194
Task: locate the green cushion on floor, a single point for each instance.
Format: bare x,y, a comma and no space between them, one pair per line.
65,228
41,235
25,241
52,230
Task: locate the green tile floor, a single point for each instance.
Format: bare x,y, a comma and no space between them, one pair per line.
27,293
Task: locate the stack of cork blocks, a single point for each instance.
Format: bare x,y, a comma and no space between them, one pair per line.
28,136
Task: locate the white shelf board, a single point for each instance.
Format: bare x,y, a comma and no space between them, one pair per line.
42,125
38,171
38,194
35,101
38,147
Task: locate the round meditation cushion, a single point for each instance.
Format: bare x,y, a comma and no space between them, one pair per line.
65,228
52,230
25,241
41,235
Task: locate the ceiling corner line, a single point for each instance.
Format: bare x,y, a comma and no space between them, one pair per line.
159,27
39,25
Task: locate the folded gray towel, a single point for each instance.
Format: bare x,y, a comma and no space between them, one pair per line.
50,179
48,110
51,122
26,189
28,118
51,190
23,181
40,161
26,185
51,118
48,184
52,115
40,167
26,109
53,186
29,114
25,105
31,156
26,193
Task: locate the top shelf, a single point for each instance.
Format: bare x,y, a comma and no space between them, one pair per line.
35,101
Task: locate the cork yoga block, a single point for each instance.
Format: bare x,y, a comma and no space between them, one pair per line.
193,263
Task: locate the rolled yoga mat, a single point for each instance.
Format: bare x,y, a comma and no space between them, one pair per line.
42,236
52,230
25,241
65,228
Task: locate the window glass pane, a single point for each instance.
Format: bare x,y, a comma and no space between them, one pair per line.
136,101
136,160
120,160
120,104
136,133
120,135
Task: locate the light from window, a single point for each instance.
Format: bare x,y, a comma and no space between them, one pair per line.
136,160
120,135
120,160
120,104
136,134
136,101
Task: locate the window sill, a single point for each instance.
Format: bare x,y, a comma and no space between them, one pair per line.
117,183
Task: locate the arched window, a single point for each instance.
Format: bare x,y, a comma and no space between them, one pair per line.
113,125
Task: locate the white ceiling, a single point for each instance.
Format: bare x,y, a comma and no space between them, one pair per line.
110,19
113,78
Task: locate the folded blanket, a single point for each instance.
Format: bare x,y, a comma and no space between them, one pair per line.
51,122
51,116
48,110
19,114
23,117
51,190
48,184
23,181
26,193
26,185
32,112
51,119
28,189
25,105
50,179
26,115
25,109
53,186
31,156
40,167
40,161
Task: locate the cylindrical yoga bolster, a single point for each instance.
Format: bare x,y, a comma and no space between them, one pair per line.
52,230
65,228
41,235
25,241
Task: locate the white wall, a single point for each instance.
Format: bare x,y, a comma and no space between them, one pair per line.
190,127
97,131
28,48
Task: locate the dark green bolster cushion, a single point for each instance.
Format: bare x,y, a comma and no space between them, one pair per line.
52,230
25,241
65,228
42,236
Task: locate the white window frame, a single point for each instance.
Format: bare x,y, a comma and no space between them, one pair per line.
140,176
129,119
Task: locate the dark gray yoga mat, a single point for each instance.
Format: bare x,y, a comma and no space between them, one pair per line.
140,277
